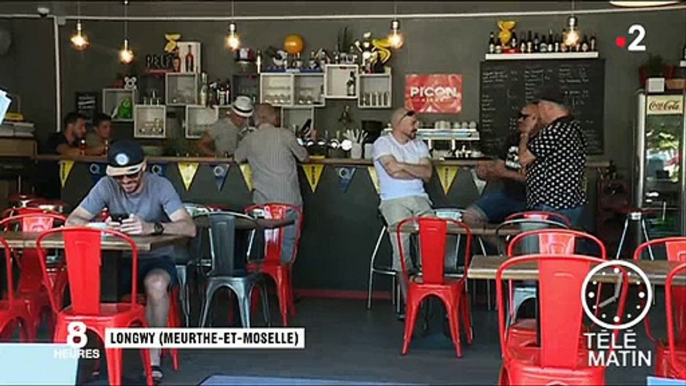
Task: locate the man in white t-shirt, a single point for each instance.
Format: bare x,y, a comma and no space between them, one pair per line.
403,165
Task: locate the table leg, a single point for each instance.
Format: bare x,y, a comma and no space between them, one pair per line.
109,283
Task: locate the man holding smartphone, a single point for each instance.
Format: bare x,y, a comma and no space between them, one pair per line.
144,204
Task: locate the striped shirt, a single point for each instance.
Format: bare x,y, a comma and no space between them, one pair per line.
271,153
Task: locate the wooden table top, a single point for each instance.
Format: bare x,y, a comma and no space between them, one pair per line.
486,267
55,241
245,224
485,230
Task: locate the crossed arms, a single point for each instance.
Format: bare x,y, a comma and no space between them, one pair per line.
405,171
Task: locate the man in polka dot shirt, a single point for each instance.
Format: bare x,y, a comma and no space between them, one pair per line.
554,159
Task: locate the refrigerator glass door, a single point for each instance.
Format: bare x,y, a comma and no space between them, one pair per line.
663,177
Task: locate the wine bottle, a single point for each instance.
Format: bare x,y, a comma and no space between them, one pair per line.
556,45
351,84
529,43
550,41
491,44
593,43
514,43
190,60
543,45
584,44
498,46
537,42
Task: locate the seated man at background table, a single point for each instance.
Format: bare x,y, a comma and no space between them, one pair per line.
272,153
101,135
154,208
403,165
493,207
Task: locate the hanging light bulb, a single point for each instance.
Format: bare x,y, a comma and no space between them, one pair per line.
79,40
395,38
572,36
233,41
126,54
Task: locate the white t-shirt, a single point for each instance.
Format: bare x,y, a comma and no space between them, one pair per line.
411,152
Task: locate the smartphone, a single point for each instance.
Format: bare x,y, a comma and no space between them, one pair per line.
119,217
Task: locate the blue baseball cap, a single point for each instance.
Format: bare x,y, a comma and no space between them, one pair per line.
125,157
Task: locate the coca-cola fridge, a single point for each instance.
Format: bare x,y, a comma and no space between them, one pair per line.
660,168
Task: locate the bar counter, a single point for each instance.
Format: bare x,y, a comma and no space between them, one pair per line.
341,226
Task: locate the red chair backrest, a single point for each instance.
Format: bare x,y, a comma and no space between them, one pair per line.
273,238
82,249
432,240
560,281
675,295
9,279
540,215
556,241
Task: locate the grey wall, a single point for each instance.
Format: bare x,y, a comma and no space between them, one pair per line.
454,45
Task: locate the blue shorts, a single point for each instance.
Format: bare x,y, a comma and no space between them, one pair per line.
145,265
496,206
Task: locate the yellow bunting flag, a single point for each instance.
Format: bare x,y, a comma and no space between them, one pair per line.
374,177
187,171
313,172
65,169
247,175
446,174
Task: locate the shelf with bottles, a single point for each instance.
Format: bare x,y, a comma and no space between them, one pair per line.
190,55
198,119
114,102
375,91
295,117
341,81
309,89
182,89
150,121
246,84
550,46
276,89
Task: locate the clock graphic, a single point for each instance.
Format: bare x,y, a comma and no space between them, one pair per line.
593,307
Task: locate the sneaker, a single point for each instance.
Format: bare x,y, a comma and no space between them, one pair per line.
157,374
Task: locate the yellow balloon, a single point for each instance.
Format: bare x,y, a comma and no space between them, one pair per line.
293,44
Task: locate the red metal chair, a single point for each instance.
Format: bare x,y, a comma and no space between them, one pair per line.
83,260
550,242
272,265
540,215
13,310
675,249
173,320
674,365
561,358
452,291
31,288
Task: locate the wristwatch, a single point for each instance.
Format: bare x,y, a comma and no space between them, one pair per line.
158,230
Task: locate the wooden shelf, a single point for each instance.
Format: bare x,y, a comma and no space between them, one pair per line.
539,56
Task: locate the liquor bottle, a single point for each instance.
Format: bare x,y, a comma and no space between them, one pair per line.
543,45
313,61
498,47
537,42
298,61
491,44
258,61
351,84
529,43
190,60
522,46
514,42
203,90
556,45
82,146
584,44
550,41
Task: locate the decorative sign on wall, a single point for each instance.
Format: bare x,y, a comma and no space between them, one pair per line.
446,174
313,172
159,169
374,177
437,93
65,169
247,175
187,171
220,171
665,105
97,170
345,176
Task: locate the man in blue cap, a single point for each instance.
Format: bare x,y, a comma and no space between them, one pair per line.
554,159
153,208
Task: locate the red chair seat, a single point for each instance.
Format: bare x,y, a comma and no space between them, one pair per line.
449,281
523,334
524,369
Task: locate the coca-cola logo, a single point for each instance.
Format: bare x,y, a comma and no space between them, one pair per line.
670,105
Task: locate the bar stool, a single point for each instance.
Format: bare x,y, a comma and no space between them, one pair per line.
382,270
637,215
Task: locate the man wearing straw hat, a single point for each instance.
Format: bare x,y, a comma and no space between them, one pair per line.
221,140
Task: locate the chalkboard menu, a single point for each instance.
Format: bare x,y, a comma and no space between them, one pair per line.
87,103
507,85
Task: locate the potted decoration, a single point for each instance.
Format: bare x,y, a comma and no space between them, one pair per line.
655,67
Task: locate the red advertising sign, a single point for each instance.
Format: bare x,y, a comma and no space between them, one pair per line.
438,93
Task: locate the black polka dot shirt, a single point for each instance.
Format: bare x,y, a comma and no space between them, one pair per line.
555,177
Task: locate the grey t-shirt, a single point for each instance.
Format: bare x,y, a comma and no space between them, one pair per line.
225,135
154,203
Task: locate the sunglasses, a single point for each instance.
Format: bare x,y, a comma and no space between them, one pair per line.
409,113
129,176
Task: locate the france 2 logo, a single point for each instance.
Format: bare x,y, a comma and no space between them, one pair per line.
638,33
